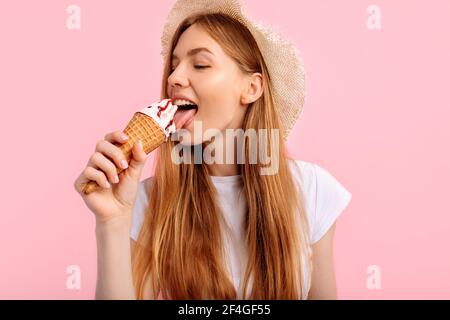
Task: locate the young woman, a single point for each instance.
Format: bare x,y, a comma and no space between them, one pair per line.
217,230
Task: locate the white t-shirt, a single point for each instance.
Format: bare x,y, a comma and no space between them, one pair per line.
325,199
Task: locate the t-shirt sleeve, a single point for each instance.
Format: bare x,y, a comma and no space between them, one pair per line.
139,209
331,200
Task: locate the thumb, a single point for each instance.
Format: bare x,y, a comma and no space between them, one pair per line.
137,161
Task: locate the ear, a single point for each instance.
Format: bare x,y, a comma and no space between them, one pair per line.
253,88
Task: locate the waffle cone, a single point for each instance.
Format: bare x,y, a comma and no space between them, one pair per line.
141,127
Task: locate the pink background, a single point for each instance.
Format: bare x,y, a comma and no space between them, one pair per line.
376,116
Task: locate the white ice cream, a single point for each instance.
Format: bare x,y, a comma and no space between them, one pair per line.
162,112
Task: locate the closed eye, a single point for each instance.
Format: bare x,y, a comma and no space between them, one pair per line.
196,67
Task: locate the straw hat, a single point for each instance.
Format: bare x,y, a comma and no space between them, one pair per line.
282,58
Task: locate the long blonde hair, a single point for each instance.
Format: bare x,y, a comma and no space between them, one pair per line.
180,246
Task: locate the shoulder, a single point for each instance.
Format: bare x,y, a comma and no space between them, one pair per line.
325,197
302,171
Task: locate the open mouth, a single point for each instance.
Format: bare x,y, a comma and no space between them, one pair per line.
187,107
184,114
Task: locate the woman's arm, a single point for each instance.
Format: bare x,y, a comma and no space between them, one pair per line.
323,281
114,277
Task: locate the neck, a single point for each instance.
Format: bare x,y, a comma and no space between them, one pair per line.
223,169
220,167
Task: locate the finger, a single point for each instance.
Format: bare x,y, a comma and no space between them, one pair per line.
96,175
112,152
139,155
116,136
99,161
137,161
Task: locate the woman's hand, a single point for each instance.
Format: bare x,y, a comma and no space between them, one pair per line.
116,201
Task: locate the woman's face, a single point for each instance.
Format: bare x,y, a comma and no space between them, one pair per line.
212,80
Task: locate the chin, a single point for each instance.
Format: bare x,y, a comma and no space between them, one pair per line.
193,136
190,139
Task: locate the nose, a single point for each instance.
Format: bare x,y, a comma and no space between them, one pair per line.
177,79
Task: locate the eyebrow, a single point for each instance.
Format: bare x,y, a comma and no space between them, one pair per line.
193,52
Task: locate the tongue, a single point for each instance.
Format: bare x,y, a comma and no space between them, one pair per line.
182,116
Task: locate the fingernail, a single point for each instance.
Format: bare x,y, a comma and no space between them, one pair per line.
140,144
124,137
124,164
116,178
107,185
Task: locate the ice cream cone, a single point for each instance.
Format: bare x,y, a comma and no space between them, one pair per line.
150,127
